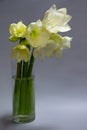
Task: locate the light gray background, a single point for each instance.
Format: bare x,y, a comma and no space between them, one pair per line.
60,84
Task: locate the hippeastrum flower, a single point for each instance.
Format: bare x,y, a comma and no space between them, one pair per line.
56,20
37,35
55,46
20,52
17,30
65,45
47,51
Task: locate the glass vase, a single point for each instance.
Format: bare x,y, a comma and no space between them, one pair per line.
23,103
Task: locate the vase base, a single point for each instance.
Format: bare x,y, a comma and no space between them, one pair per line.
24,118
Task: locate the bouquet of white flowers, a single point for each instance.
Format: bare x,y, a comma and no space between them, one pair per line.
38,39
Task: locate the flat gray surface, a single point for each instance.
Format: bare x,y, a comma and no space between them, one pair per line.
60,85
52,115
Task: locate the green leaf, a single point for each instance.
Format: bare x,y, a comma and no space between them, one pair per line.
13,39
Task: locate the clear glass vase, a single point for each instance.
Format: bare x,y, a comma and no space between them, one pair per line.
23,103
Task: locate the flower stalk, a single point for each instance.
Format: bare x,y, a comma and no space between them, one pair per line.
30,66
24,69
19,69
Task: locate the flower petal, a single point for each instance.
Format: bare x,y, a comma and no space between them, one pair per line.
56,20
37,35
66,41
20,52
47,51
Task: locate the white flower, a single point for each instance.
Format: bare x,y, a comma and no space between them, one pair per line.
20,52
37,35
65,45
47,51
55,43
55,47
17,30
56,20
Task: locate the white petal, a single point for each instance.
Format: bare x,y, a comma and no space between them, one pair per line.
64,28
62,10
66,41
47,51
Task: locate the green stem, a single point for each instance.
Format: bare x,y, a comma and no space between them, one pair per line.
25,68
22,103
19,67
16,97
30,67
30,99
